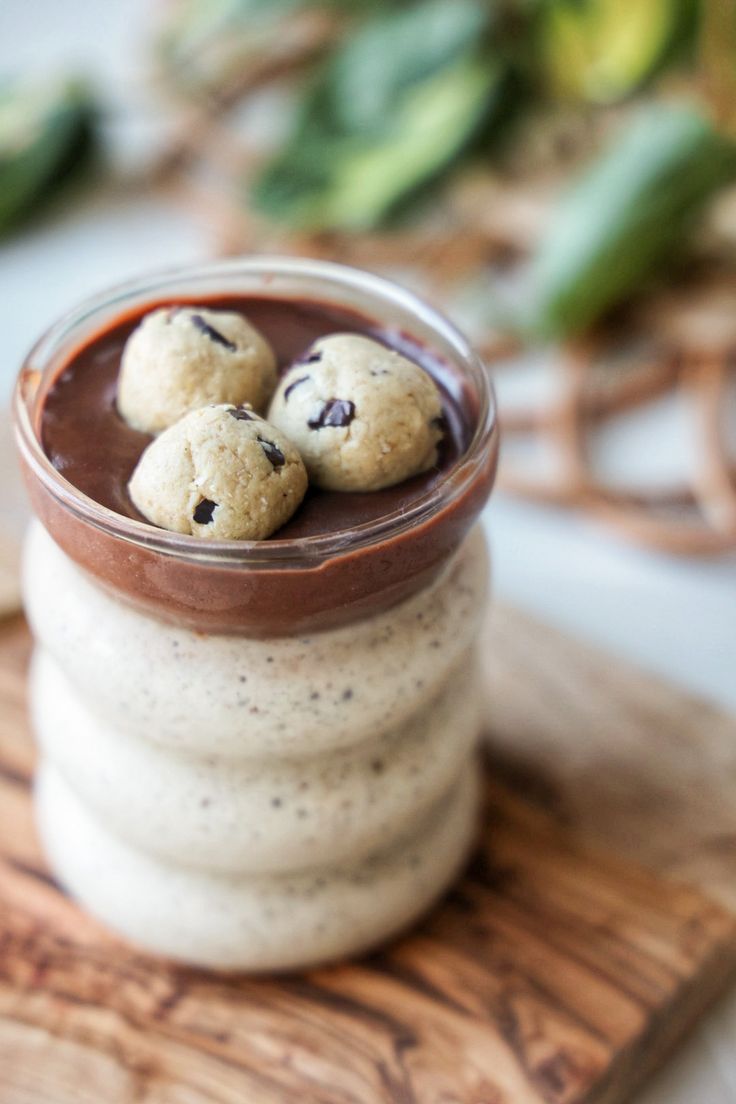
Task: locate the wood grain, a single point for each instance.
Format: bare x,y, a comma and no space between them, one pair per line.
619,757
550,975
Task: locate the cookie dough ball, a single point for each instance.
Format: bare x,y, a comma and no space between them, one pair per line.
362,416
181,358
221,472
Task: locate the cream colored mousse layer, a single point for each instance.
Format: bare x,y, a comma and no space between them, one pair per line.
254,804
256,815
227,695
254,923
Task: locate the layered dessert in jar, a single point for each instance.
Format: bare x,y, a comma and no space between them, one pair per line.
255,583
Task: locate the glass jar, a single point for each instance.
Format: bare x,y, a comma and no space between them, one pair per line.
257,755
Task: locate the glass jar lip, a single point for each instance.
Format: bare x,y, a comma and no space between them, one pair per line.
274,551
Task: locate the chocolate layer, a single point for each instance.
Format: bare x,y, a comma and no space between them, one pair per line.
96,451
89,443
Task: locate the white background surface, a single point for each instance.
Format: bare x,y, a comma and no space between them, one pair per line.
673,616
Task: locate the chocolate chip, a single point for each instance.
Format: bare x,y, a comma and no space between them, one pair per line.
335,412
313,358
209,331
204,510
274,454
440,423
290,388
241,414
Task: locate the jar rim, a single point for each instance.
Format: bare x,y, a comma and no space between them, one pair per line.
274,552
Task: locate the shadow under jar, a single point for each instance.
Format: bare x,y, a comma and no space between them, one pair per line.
257,755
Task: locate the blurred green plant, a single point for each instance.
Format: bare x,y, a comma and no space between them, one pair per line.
603,50
394,106
627,216
399,94
46,132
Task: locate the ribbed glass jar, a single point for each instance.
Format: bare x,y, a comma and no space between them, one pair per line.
257,755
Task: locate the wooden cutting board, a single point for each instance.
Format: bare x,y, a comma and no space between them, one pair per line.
558,971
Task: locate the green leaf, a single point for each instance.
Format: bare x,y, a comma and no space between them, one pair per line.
433,125
627,216
349,182
391,109
603,50
45,130
397,49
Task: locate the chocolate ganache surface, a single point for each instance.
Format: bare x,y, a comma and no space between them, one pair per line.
92,447
291,586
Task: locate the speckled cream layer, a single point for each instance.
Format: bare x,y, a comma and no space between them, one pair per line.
224,695
256,815
269,922
254,804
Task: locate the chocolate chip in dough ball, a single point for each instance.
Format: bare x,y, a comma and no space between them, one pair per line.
181,358
221,472
362,416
